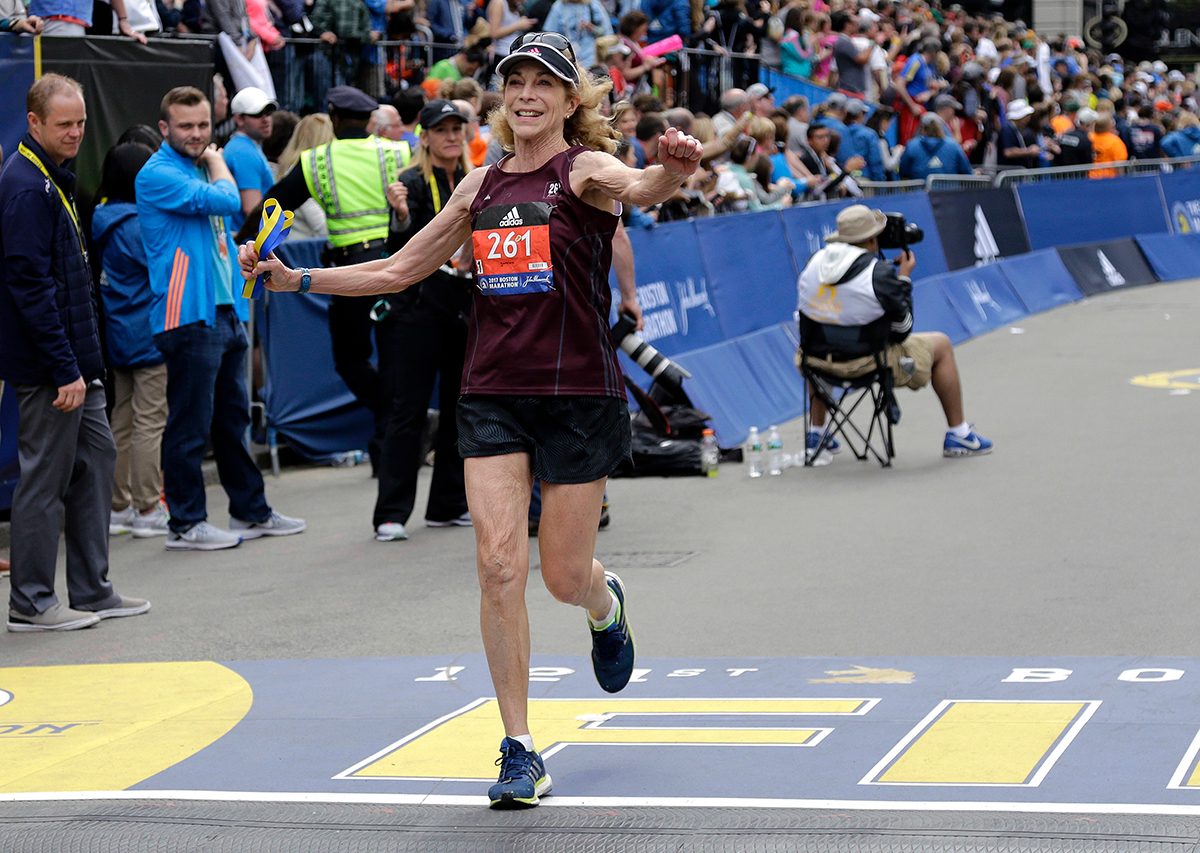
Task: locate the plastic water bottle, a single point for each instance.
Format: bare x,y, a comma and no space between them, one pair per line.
774,451
710,455
754,453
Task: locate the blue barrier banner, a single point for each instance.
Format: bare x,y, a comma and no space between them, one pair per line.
783,86
307,402
673,288
1041,280
772,354
1101,267
1171,256
932,311
16,70
723,384
1060,213
9,467
807,226
1181,194
751,279
931,257
982,297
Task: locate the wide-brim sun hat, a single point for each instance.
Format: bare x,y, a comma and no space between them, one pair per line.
857,224
557,62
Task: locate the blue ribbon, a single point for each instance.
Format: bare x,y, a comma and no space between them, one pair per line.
272,231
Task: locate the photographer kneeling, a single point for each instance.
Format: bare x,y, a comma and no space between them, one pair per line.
849,283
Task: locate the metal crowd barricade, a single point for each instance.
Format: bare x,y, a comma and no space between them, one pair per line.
938,183
1015,177
309,67
874,189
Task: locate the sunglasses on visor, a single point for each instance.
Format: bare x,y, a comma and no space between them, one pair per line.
555,41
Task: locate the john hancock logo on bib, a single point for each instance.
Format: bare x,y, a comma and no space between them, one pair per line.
512,249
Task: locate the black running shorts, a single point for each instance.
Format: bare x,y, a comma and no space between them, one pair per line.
568,439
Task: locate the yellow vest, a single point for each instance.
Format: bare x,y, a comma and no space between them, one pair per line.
349,179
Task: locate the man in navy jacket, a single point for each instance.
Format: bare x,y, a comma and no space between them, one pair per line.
50,352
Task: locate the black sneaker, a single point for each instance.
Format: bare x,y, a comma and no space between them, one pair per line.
523,777
612,645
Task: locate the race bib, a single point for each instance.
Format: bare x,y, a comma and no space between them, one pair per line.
512,249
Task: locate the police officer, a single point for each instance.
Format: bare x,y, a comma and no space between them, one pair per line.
349,178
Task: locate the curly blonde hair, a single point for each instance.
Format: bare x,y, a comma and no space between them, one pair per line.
586,126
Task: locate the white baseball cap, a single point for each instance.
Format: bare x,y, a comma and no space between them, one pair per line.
252,102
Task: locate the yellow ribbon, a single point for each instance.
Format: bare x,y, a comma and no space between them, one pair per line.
272,231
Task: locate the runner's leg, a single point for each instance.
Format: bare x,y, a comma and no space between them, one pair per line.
567,545
498,496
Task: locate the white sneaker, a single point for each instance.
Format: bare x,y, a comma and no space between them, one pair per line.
152,523
275,525
202,537
122,522
390,531
463,520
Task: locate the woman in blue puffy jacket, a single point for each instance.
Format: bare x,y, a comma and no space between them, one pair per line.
931,153
139,375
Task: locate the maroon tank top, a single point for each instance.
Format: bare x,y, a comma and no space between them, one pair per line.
539,320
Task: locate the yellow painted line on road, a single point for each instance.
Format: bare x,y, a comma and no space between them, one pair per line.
968,742
462,744
110,726
1170,379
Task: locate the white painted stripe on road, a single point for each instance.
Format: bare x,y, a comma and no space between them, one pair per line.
608,802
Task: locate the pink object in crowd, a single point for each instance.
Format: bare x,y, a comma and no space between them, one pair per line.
661,48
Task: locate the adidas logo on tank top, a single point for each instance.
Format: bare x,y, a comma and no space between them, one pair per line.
510,219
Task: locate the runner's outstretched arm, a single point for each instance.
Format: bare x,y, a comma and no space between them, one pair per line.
433,245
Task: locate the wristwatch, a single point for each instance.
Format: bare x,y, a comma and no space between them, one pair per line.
305,280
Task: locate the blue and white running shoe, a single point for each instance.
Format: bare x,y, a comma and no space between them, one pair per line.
831,447
973,445
612,645
523,777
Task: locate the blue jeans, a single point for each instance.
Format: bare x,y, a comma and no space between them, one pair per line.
207,394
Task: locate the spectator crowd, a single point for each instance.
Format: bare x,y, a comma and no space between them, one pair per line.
918,89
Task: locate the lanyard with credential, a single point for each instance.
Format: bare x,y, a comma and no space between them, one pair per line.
437,196
33,158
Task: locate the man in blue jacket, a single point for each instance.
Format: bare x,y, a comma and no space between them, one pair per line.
50,352
185,194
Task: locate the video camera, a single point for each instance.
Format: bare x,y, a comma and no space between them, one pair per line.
899,233
664,371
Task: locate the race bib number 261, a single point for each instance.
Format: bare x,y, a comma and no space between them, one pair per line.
512,249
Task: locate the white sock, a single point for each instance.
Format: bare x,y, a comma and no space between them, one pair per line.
609,616
816,429
960,431
525,741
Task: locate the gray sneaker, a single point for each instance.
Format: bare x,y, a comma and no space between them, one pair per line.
122,607
202,537
121,521
275,525
57,618
152,523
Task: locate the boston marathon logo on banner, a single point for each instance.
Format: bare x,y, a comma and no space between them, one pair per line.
1185,216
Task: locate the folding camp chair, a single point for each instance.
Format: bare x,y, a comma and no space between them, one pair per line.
843,397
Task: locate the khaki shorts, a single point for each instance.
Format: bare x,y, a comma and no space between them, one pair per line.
917,347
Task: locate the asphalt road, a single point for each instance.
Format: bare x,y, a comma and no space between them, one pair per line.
1076,537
